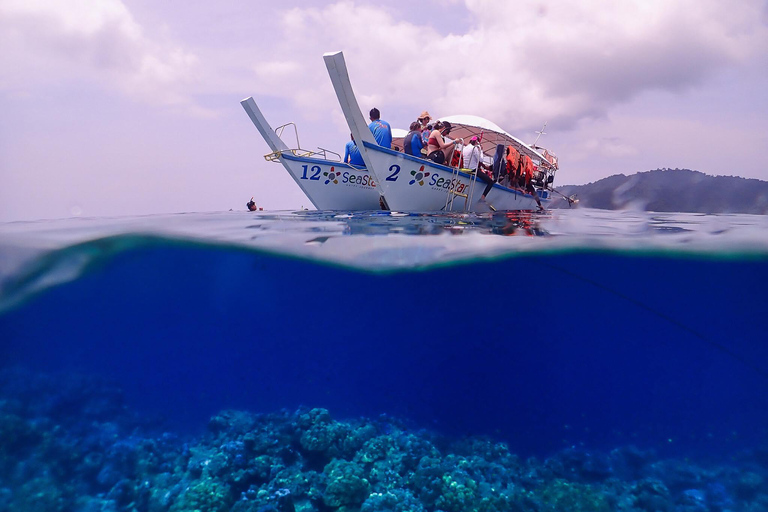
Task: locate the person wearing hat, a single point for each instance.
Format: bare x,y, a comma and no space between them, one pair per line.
424,120
472,154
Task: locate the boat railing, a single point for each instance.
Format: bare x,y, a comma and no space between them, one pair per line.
325,152
280,129
304,153
298,151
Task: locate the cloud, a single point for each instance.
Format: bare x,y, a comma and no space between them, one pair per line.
519,63
375,43
49,42
604,148
571,60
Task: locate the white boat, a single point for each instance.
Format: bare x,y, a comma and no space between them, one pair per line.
409,183
329,184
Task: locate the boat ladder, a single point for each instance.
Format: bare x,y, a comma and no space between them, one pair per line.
451,194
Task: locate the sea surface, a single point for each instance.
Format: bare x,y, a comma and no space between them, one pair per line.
570,331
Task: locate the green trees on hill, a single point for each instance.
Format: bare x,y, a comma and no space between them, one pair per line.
673,190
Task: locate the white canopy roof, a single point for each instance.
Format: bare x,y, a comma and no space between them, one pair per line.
399,133
398,136
489,133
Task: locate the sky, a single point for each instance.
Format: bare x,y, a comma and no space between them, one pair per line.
131,107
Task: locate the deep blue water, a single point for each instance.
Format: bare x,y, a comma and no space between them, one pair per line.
544,349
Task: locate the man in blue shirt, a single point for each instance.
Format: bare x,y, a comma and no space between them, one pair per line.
352,153
381,130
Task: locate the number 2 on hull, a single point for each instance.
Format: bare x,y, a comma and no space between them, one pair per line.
395,169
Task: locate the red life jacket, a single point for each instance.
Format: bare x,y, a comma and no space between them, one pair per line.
456,158
513,158
528,169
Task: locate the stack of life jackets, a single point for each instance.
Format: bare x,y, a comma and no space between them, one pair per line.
528,169
513,162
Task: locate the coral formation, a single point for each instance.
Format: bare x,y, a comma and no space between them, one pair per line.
76,447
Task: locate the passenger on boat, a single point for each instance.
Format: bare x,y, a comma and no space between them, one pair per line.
473,160
426,129
352,153
381,130
490,179
425,138
412,142
436,145
472,154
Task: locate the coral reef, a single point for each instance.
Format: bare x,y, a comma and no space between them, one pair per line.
69,444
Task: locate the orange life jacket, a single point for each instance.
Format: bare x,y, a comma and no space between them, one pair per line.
528,169
513,158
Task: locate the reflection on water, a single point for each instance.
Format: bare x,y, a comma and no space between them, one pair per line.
376,240
332,223
289,231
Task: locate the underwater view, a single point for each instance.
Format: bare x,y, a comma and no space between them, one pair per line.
310,361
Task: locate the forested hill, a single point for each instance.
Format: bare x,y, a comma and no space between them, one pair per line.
671,190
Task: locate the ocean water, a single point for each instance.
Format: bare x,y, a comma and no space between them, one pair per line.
571,328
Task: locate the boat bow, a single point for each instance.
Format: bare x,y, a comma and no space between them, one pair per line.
273,141
337,70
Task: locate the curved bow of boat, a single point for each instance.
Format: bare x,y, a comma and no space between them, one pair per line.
337,71
275,143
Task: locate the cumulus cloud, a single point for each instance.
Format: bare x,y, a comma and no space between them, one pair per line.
376,44
597,52
49,42
519,63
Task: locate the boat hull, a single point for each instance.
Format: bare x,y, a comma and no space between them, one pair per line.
328,184
332,185
415,184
